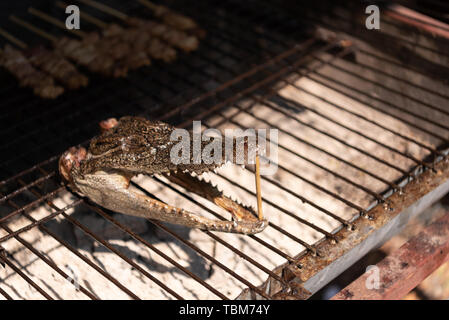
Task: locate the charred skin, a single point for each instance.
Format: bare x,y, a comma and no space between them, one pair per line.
135,145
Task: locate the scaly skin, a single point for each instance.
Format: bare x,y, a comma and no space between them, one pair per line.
135,145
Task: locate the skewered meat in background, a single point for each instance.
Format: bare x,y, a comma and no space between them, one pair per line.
174,37
17,64
111,52
50,63
169,34
170,17
140,42
58,67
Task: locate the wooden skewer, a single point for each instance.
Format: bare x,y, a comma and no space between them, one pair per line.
65,72
170,17
32,28
258,188
186,42
13,39
105,8
149,4
55,21
85,15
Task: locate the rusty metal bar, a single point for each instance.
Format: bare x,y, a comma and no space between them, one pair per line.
360,116
241,254
392,76
402,65
207,256
110,247
79,255
406,267
303,199
26,187
264,243
241,77
340,124
416,100
31,205
27,279
370,233
418,20
429,132
308,181
86,230
12,234
5,294
156,250
397,92
391,36
50,263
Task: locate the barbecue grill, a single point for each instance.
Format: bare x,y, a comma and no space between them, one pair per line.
363,136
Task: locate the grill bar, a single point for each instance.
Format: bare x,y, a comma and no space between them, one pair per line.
413,99
5,294
111,248
399,44
431,133
82,257
159,252
27,279
393,37
339,107
241,254
30,247
279,252
28,186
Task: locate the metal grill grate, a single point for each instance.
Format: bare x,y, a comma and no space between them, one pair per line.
355,127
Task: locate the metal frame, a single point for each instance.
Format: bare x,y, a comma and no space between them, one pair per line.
405,268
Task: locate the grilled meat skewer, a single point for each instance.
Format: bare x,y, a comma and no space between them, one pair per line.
141,42
93,50
176,38
90,52
170,35
58,67
84,51
132,57
170,17
42,84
